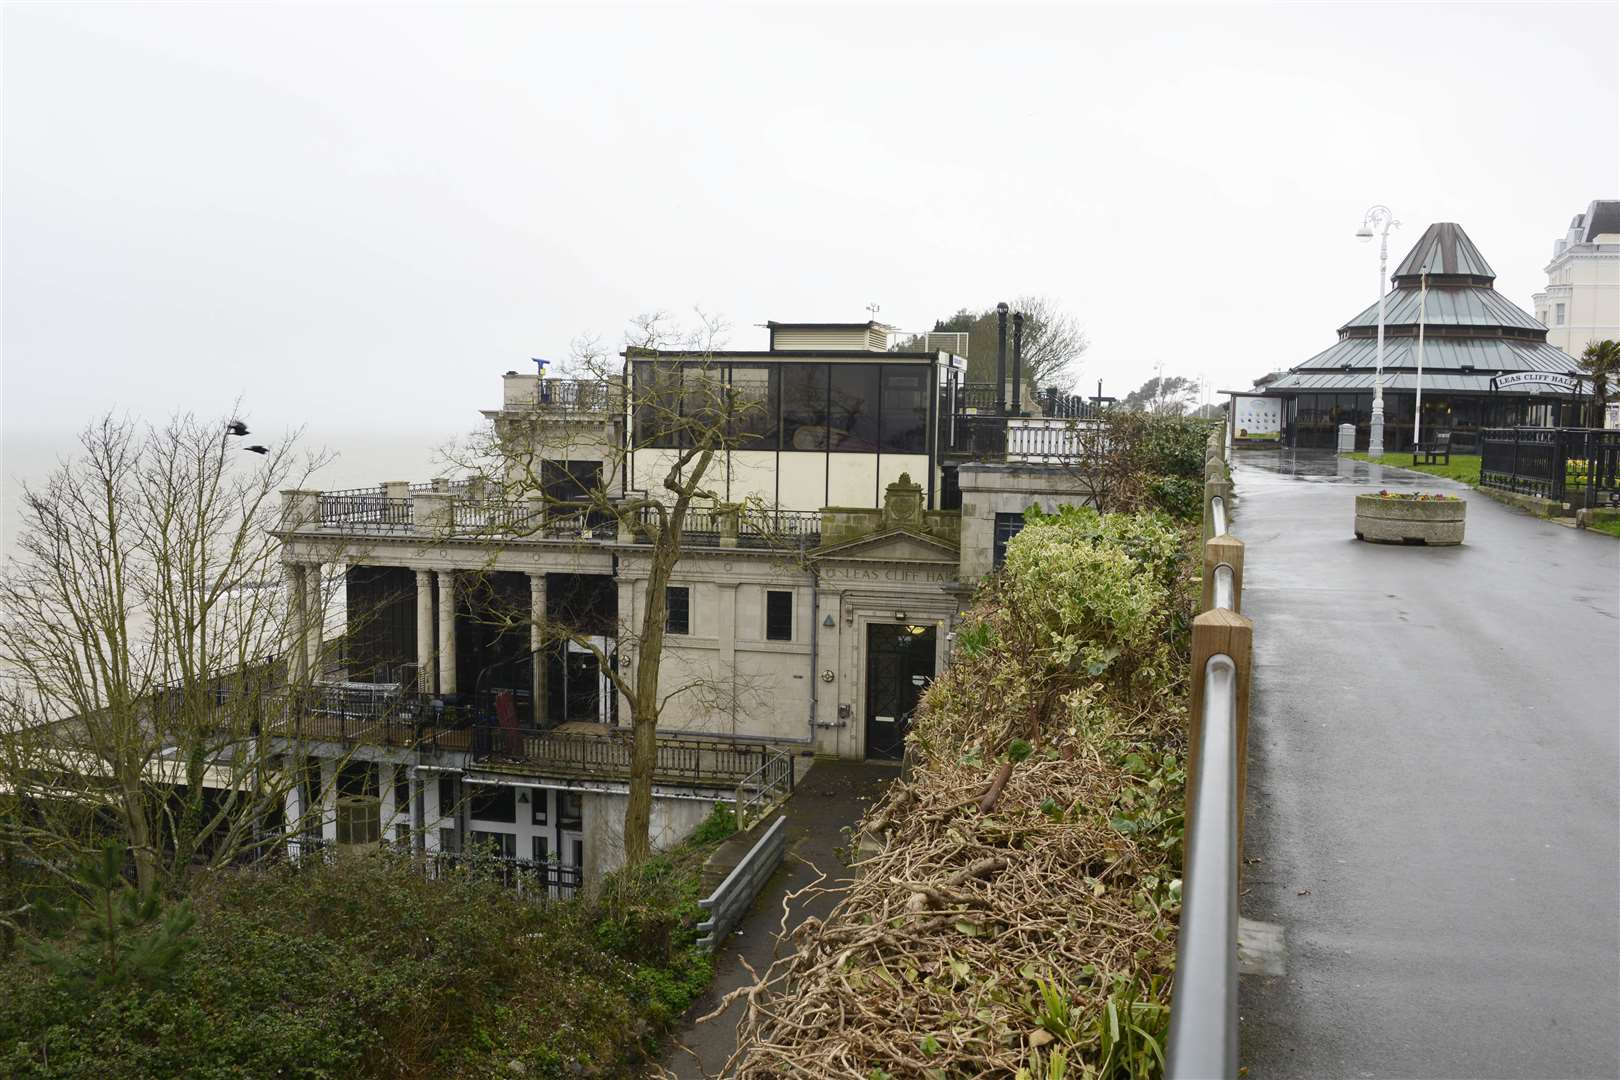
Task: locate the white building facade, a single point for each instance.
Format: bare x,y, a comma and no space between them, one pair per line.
1581,302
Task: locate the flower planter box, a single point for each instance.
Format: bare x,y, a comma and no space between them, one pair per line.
1410,521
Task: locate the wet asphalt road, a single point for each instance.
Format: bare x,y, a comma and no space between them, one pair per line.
1434,765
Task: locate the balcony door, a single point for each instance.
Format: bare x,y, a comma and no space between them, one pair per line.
899,665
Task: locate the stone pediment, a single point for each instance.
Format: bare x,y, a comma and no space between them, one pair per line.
897,545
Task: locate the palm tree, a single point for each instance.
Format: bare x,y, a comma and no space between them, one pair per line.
1601,360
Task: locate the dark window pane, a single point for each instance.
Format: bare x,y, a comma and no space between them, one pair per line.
447,795
905,409
703,401
358,778
540,799
778,616
756,393
1007,527
493,802
804,407
853,414
402,790
570,809
567,481
678,609
657,397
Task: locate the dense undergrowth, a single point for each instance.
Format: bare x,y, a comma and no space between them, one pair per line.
1015,908
364,968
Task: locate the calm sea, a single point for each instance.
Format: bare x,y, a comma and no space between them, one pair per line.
361,460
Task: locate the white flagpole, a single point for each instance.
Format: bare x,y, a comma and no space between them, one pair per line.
1423,311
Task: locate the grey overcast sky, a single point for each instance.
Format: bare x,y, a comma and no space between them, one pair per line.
357,217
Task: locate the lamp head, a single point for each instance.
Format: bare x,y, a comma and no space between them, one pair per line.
1364,233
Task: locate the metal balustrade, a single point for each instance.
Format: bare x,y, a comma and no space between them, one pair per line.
1203,1037
578,395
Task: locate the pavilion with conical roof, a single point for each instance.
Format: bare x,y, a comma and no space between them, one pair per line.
1472,337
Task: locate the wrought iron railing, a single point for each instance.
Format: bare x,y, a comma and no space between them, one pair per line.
578,395
684,760
364,513
1575,465
538,880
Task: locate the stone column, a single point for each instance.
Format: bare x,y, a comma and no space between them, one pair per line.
424,631
537,662
447,631
297,649
314,614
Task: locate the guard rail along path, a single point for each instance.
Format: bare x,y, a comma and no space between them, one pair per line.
735,895
1203,1041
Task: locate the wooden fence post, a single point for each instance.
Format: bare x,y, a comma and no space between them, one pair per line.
1226,549
1216,633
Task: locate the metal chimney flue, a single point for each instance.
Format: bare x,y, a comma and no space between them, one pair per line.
1018,364
1001,359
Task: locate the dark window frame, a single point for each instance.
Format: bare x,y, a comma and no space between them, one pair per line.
778,624
678,615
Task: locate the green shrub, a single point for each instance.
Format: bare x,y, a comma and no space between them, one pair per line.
364,968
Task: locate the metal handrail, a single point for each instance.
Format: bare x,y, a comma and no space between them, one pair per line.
1217,509
1203,1041
1225,588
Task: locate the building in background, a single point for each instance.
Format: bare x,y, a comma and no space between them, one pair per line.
863,494
1486,363
1581,302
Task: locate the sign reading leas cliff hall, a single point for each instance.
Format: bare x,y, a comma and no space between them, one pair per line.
1569,384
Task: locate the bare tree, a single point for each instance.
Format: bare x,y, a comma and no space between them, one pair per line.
1054,342
140,627
679,415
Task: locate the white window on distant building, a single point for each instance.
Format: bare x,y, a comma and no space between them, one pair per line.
1558,310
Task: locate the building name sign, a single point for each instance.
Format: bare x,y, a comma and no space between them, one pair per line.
1569,384
898,574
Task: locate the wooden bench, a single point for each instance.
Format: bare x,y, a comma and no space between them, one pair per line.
1436,451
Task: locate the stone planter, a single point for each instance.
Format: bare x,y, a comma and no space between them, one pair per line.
1410,521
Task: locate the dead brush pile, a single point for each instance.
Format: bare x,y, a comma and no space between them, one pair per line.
1015,907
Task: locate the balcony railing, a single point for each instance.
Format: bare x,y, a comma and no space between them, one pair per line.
368,513
707,762
706,526
578,395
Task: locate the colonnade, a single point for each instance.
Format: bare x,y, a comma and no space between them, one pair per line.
435,636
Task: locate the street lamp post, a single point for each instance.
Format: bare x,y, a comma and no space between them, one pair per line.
1379,218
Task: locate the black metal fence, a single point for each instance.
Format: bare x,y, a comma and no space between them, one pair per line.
689,760
1580,466
530,878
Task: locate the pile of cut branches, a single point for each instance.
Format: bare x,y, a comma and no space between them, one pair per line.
1015,904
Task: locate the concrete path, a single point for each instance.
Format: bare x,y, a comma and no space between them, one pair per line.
830,798
1434,766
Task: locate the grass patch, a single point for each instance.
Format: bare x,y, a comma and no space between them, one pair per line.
1610,527
1463,467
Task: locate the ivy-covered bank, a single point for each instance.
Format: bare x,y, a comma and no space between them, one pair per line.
1015,908
364,968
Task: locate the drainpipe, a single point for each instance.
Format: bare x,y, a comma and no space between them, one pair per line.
815,637
1018,363
1001,359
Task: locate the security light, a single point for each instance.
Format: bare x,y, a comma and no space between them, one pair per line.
1364,234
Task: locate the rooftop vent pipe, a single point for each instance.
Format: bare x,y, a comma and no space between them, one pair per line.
1018,363
1001,359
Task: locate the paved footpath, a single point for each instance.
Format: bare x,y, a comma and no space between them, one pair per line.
1434,766
830,798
